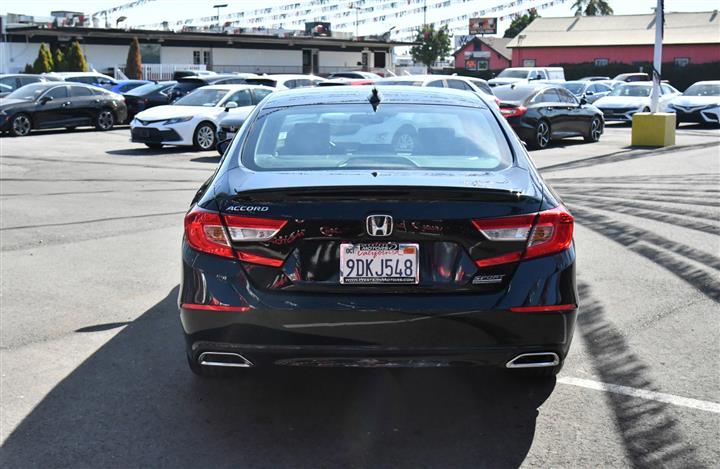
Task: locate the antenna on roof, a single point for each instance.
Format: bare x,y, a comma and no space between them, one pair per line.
374,99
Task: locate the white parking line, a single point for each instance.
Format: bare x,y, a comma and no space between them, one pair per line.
642,393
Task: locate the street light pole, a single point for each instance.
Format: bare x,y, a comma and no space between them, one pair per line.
424,13
217,8
357,10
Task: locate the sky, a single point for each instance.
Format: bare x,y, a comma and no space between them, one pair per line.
162,10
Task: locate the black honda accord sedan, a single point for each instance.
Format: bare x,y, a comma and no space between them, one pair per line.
51,105
540,113
389,227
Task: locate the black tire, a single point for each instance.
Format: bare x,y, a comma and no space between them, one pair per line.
209,371
404,140
20,125
204,138
154,146
646,109
221,147
104,120
541,138
595,130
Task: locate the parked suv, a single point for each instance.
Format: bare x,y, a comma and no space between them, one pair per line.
527,74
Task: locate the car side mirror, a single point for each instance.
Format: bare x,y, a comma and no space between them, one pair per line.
230,105
46,99
583,101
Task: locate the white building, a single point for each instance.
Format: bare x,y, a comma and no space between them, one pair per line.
165,51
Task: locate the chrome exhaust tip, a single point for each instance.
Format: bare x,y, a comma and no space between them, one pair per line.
534,360
224,359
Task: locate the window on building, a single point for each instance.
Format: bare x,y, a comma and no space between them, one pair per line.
150,53
196,57
379,59
682,61
483,64
528,63
601,62
206,57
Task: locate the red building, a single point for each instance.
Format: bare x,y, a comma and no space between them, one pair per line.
483,53
688,38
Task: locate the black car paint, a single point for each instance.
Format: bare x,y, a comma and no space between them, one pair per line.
69,111
299,314
188,84
566,119
136,104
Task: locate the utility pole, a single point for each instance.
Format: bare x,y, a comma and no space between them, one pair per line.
657,58
424,13
357,10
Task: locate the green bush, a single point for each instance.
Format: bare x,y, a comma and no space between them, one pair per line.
75,59
44,61
59,60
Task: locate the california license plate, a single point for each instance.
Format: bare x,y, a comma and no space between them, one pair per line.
377,263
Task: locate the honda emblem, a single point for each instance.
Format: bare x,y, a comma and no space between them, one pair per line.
379,225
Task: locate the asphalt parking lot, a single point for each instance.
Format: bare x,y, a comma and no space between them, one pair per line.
92,365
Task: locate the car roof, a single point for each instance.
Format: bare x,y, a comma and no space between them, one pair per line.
361,94
235,87
707,82
79,74
290,76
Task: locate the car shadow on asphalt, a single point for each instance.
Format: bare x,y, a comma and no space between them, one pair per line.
135,403
145,151
207,159
651,435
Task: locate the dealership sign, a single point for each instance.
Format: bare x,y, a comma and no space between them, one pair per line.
483,26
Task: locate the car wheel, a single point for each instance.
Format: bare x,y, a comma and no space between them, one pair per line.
154,146
646,109
105,120
204,137
20,125
404,140
542,136
221,147
595,130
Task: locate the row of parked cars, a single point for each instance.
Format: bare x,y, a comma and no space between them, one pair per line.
204,109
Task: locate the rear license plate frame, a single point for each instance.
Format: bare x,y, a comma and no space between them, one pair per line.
378,251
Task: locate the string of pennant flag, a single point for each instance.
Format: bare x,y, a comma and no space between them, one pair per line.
372,16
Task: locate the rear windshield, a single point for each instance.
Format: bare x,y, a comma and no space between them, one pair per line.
147,88
399,136
632,90
261,81
574,88
510,73
29,92
511,93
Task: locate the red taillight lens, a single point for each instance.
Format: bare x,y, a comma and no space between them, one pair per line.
513,111
552,233
205,232
547,232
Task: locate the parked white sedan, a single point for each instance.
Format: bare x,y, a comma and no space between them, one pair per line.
193,119
700,103
626,100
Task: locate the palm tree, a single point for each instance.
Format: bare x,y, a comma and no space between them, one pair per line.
592,8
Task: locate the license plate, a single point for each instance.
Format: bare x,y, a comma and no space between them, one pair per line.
377,263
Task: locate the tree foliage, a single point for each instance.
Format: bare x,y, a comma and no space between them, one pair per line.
592,8
59,59
133,66
520,22
75,59
29,69
44,61
434,45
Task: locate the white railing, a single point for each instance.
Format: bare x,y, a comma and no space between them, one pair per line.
163,71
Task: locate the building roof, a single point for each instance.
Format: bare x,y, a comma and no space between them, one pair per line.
114,35
619,30
498,44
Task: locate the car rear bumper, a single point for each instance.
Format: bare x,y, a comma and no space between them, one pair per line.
221,312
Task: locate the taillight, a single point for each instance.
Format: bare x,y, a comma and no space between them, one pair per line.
205,232
513,111
545,233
